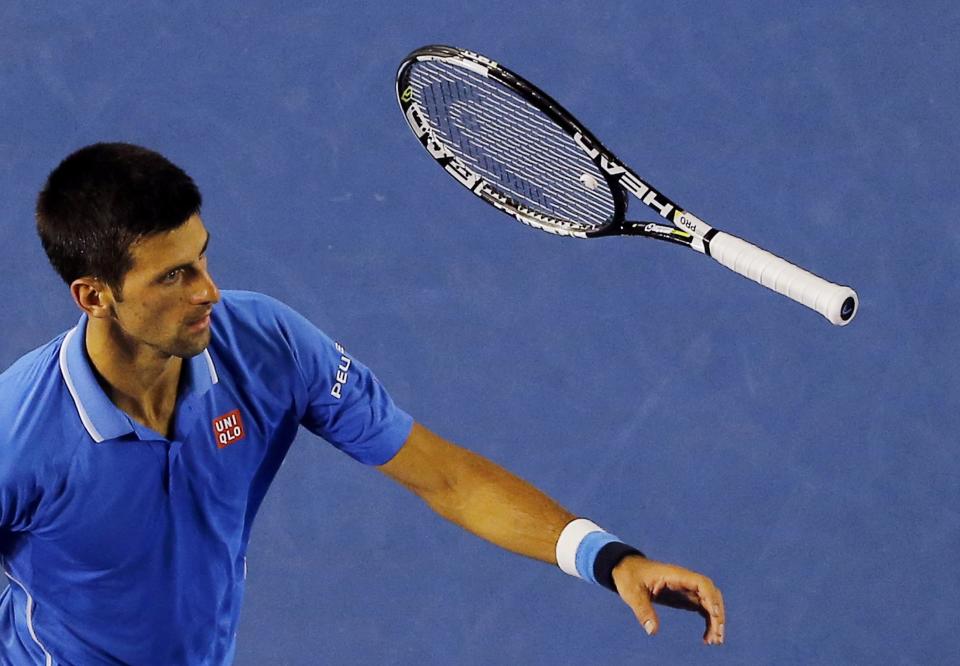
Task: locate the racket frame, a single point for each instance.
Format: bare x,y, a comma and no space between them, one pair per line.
620,178
685,228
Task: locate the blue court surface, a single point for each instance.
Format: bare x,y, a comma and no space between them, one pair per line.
810,470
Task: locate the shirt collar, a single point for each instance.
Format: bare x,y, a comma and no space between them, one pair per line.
101,418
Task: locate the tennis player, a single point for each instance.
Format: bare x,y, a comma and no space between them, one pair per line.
136,448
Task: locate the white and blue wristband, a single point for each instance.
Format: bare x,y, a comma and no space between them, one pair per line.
587,551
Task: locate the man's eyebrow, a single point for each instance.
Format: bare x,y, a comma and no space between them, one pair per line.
171,269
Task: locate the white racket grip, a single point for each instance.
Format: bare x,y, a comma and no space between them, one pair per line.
836,302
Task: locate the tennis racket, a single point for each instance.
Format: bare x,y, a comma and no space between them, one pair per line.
513,146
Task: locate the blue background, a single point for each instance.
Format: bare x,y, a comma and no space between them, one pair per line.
810,470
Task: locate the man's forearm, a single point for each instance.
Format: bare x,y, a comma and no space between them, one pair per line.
502,508
479,495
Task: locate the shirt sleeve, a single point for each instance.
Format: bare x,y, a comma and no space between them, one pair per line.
345,402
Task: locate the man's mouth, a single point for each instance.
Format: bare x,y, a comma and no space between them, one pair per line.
200,324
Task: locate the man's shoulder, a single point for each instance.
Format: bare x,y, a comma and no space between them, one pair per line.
241,297
33,368
240,305
249,313
32,398
251,325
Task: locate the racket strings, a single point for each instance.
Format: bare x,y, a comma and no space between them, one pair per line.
477,127
518,150
459,122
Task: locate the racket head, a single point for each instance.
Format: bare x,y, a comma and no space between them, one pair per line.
509,143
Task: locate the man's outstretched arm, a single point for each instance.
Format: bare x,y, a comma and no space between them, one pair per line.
494,504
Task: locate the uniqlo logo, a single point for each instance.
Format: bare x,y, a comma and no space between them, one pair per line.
228,429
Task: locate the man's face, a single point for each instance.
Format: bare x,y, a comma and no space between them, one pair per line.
168,293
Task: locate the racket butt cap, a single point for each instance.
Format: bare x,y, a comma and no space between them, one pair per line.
848,309
842,307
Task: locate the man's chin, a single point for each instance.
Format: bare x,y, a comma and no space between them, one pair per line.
187,349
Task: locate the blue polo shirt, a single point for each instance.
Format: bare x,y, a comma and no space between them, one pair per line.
125,547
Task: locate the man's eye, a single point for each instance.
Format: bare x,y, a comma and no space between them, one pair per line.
172,275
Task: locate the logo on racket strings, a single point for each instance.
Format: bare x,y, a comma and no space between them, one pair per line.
450,162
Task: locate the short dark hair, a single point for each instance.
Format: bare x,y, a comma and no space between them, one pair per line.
103,198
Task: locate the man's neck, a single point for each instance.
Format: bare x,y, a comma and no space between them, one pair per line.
138,379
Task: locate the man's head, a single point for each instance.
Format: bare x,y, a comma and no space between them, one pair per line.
103,198
121,226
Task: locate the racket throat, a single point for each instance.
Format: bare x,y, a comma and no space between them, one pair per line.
663,232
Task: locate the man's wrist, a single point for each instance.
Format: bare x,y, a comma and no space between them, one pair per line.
608,559
587,551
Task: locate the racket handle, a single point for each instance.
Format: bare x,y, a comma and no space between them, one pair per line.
839,304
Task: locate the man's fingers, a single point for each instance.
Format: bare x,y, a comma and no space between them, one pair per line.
712,602
698,594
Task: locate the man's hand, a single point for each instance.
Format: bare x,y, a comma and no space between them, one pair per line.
642,582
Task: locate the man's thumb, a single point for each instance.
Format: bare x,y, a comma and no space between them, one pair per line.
646,616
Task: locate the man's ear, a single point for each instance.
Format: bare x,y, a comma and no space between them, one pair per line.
93,296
